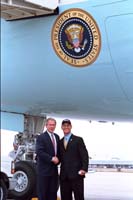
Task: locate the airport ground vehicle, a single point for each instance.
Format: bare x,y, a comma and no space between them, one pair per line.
6,184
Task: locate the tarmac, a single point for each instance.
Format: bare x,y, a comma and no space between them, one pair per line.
107,186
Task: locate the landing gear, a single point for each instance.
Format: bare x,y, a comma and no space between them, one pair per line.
25,175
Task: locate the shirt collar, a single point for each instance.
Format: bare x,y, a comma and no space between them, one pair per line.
50,133
67,137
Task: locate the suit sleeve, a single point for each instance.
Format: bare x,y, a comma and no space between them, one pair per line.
83,154
40,150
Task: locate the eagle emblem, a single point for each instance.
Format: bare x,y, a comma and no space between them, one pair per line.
76,37
75,41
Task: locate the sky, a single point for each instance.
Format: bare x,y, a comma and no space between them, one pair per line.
103,140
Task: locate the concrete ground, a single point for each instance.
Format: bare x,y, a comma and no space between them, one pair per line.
108,186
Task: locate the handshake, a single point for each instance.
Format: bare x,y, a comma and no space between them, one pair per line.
55,160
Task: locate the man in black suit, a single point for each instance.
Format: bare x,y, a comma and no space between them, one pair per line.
74,160
47,149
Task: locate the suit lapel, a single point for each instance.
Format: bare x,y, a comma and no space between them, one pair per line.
50,141
48,137
70,141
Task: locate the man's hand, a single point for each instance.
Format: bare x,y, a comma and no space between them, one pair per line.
55,160
82,172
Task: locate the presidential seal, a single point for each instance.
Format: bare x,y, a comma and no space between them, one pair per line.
76,37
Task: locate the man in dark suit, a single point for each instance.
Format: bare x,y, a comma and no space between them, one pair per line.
74,160
47,149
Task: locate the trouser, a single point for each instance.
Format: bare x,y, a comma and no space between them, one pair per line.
75,186
47,187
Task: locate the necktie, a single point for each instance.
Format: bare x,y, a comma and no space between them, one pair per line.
53,141
65,143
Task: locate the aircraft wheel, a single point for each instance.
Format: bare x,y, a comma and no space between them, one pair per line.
25,175
3,190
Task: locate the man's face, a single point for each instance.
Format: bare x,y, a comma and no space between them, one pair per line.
51,124
66,128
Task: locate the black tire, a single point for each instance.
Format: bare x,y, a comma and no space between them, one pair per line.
25,174
3,190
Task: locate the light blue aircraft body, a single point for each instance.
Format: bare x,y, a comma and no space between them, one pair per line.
36,81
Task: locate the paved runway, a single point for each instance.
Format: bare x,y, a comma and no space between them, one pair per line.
109,186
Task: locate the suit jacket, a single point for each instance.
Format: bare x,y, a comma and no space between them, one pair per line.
74,158
45,152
